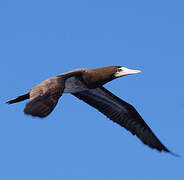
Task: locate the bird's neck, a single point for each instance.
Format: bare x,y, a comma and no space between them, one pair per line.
96,78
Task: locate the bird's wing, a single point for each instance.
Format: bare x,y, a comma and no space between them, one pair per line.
44,97
122,113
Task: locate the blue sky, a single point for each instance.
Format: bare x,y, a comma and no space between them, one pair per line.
40,39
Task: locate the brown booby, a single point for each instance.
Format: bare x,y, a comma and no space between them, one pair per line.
87,85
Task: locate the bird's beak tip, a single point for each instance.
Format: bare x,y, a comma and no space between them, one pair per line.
138,71
134,71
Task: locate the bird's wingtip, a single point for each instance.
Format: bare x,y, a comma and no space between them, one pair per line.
174,154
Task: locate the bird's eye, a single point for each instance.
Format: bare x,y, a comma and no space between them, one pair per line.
119,70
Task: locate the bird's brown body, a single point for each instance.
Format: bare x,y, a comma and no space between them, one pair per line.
87,85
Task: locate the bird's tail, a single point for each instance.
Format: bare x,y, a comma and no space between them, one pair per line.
19,98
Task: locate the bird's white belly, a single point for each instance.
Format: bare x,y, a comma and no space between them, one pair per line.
74,85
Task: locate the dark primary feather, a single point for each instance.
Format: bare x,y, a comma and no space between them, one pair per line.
122,113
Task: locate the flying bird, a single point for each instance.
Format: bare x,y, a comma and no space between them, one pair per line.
87,85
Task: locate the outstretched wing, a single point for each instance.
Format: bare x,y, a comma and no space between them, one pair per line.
44,97
122,113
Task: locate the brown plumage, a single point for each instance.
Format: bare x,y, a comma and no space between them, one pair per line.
87,85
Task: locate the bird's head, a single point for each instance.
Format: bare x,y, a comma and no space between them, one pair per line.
101,76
